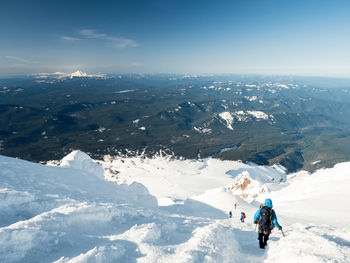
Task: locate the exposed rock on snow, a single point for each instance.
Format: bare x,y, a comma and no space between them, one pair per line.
244,186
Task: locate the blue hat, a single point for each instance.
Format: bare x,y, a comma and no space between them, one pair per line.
268,203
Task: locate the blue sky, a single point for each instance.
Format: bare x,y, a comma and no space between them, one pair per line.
297,37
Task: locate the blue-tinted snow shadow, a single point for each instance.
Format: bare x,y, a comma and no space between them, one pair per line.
274,238
340,241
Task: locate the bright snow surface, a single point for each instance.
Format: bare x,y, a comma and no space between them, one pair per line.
70,214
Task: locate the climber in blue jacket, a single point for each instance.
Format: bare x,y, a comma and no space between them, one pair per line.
267,219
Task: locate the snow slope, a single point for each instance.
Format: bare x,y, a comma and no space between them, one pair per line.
180,179
320,195
70,214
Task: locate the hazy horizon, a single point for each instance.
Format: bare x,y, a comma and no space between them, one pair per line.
190,74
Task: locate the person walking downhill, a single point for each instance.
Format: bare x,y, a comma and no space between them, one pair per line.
267,219
243,217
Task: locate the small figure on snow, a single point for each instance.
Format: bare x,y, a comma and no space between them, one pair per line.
267,219
235,205
230,214
242,217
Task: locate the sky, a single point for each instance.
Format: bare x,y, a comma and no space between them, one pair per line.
275,37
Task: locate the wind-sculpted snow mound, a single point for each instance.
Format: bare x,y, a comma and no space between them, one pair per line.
46,211
81,161
30,185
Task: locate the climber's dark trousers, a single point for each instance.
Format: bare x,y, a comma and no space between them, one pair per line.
263,240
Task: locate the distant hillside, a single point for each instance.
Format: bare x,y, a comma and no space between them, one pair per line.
265,120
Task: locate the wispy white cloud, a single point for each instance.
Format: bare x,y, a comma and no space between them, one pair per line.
70,39
91,33
114,42
19,59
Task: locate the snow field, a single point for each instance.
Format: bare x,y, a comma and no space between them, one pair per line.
168,179
70,214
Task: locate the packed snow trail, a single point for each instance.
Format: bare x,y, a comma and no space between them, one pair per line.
70,214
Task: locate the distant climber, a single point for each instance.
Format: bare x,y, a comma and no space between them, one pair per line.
235,205
230,214
243,217
267,219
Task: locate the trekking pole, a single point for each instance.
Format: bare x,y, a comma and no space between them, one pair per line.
282,233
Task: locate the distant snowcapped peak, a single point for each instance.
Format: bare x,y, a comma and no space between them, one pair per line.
79,73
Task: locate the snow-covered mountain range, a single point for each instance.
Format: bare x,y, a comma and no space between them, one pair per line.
62,75
168,210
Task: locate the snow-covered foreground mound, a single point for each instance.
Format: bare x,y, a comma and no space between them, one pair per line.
70,214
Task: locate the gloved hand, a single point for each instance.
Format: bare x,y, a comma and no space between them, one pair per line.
255,222
280,228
